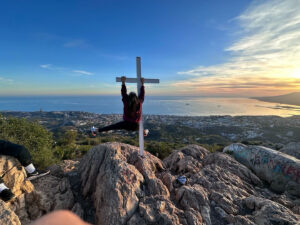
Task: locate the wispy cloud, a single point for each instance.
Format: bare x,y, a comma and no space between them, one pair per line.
46,66
79,43
265,59
76,44
66,70
53,67
82,72
6,81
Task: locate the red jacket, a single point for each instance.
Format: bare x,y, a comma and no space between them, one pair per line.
127,116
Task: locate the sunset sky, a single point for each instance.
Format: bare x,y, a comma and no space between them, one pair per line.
197,48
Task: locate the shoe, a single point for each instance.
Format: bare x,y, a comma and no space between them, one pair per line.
37,174
94,131
6,195
146,132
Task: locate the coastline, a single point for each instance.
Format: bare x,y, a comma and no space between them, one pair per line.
185,106
292,99
269,99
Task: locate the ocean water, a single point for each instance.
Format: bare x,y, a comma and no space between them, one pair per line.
183,106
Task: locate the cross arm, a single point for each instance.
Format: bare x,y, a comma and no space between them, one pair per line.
134,80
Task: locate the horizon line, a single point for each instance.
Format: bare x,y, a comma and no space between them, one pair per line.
115,95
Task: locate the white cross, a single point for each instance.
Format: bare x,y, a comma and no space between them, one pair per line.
139,84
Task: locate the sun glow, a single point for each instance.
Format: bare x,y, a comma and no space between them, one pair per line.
296,73
264,59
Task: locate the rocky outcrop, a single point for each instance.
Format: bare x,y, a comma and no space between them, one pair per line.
32,200
128,189
280,170
114,185
109,173
14,177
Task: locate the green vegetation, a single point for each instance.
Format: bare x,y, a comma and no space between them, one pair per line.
47,148
161,149
33,136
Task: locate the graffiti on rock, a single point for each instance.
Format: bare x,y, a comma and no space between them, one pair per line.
259,158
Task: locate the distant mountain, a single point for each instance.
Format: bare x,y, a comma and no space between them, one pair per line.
291,99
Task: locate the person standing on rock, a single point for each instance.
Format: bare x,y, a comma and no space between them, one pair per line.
132,111
22,154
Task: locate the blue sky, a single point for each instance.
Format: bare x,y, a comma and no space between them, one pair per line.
79,47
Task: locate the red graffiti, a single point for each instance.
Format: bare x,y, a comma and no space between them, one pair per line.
293,173
277,166
288,171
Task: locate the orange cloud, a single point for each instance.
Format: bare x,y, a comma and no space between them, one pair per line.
264,61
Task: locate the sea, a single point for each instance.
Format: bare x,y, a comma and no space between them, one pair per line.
157,105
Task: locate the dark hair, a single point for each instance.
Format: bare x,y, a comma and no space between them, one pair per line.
133,102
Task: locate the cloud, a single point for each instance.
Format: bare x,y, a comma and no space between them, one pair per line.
65,70
265,56
76,44
53,68
82,72
6,81
46,66
65,41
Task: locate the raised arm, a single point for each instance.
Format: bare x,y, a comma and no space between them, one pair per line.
124,90
142,92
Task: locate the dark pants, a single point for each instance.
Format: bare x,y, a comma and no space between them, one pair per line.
17,151
124,125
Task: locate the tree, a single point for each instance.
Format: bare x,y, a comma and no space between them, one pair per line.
32,135
68,138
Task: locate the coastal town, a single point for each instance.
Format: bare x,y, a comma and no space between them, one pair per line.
272,131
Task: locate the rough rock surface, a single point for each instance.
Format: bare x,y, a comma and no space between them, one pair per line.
112,184
7,216
14,176
127,189
39,197
292,149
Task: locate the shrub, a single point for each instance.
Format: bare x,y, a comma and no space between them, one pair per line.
159,149
68,138
65,152
32,135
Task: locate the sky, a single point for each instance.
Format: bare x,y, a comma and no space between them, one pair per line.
196,48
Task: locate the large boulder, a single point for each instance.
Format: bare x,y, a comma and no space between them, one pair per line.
280,170
128,189
33,199
117,178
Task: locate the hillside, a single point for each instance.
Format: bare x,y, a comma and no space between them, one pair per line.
290,99
111,184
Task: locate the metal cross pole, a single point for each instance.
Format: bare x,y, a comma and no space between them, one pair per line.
139,84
